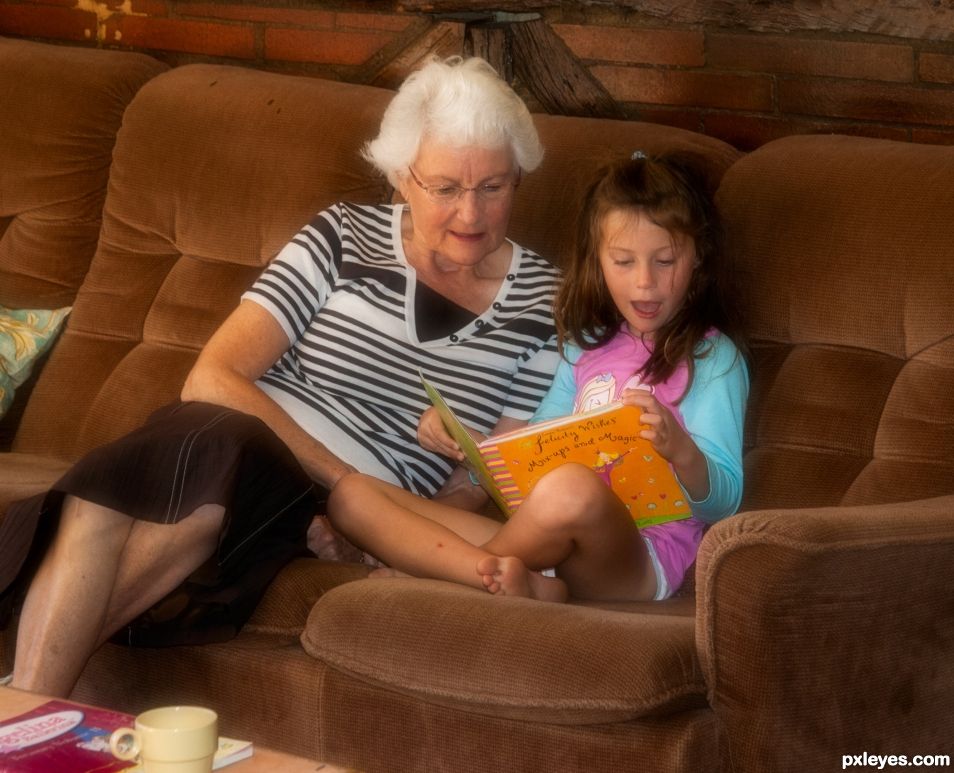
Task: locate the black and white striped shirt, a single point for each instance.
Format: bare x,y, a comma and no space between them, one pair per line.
345,295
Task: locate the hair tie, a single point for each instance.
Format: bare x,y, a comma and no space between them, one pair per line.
637,156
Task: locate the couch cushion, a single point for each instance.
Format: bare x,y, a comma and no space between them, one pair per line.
844,253
288,601
544,214
21,476
214,169
263,687
62,107
507,657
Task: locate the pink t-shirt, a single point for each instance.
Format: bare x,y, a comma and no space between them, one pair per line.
601,375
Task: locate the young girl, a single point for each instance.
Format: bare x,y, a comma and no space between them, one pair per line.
642,319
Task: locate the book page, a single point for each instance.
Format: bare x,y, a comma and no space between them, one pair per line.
475,461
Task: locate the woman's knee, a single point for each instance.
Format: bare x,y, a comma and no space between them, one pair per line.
81,520
205,520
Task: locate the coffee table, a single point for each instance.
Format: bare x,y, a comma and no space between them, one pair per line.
13,702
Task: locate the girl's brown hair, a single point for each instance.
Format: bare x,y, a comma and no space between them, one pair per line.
673,192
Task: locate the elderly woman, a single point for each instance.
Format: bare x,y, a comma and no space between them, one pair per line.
172,533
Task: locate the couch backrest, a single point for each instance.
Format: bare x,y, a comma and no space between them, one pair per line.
60,109
845,249
214,169
544,216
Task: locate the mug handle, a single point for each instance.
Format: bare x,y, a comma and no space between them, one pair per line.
125,743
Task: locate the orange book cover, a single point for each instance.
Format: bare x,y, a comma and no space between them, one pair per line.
606,439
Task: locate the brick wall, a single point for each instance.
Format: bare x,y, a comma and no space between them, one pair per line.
745,79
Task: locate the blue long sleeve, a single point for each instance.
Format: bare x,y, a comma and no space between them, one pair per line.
713,412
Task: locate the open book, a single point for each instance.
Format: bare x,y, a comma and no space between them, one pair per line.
605,439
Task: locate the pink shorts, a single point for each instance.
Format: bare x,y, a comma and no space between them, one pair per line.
672,549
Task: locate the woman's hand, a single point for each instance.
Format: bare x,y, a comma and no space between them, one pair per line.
433,436
672,442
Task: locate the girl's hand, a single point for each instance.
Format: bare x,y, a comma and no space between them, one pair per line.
663,431
433,436
672,442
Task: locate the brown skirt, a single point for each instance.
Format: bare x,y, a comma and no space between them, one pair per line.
185,456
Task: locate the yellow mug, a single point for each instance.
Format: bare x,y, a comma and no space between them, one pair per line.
172,739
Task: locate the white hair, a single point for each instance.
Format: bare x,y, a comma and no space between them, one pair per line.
461,102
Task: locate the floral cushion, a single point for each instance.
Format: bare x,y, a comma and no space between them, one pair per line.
25,334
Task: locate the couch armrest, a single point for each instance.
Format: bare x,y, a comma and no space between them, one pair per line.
830,631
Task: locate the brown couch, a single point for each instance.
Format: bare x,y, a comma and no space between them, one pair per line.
821,619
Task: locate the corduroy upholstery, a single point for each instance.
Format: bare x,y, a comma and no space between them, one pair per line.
831,625
846,258
58,123
821,621
57,128
185,232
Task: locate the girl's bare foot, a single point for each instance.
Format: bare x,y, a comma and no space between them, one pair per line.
508,576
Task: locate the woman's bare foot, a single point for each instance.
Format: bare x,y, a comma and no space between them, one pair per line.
386,571
328,544
508,576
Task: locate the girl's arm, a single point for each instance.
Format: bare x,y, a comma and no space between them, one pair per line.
247,344
707,455
714,414
560,398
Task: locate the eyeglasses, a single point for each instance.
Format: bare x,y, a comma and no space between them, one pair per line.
446,194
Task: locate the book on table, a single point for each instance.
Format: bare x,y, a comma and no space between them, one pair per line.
69,737
606,439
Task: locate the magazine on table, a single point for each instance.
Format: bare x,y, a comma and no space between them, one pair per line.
68,737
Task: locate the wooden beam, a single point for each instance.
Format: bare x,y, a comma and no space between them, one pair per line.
443,39
916,19
492,42
548,69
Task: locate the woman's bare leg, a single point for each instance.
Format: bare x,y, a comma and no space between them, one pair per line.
572,521
101,570
157,559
